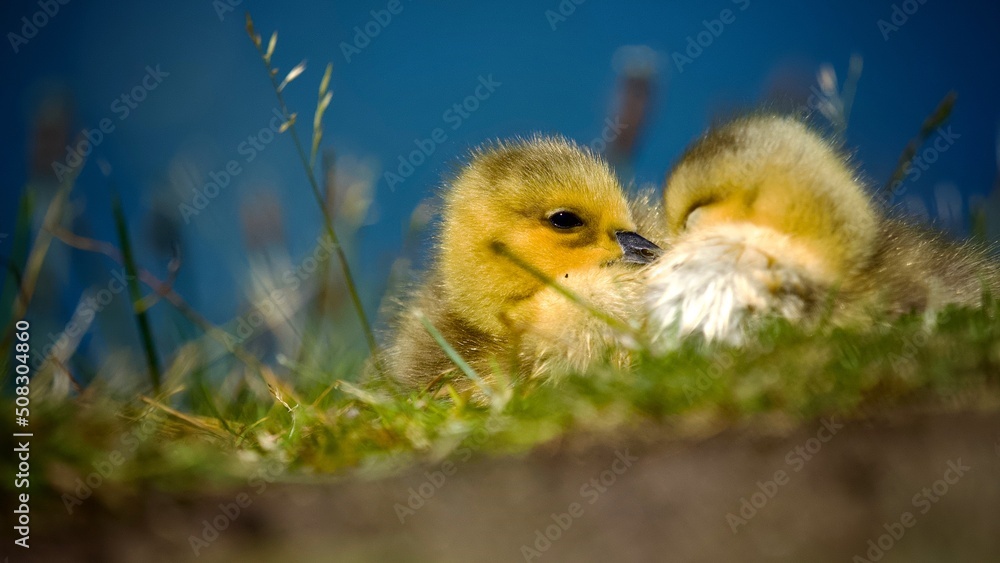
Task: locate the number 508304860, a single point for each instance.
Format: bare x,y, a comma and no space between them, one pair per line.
21,369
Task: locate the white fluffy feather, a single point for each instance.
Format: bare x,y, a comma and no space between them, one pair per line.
712,282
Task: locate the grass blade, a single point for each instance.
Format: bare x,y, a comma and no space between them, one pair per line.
34,260
292,74
18,254
14,282
352,288
324,84
612,322
360,394
324,101
454,356
254,36
941,114
209,329
270,46
135,296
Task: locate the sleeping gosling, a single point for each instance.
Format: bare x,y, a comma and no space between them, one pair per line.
766,217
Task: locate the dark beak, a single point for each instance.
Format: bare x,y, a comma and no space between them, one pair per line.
637,250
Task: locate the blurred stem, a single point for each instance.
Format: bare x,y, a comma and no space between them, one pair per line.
34,261
12,270
327,220
141,315
849,92
167,292
930,125
19,251
314,316
190,420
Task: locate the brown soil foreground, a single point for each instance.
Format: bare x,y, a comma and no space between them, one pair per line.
927,488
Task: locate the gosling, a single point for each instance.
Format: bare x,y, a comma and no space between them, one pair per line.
766,217
520,216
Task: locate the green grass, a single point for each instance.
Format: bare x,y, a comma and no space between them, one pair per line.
337,427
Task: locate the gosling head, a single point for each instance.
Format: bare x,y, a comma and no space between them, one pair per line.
545,201
776,173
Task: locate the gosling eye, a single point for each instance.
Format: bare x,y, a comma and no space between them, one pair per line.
565,220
